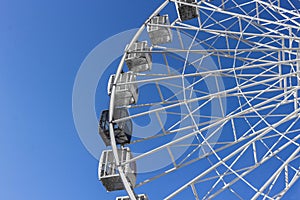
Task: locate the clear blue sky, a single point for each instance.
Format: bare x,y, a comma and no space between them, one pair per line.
42,44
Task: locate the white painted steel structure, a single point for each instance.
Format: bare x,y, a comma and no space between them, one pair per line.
255,46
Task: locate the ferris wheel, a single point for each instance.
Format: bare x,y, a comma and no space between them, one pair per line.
205,103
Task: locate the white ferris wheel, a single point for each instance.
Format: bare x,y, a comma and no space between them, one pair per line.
215,84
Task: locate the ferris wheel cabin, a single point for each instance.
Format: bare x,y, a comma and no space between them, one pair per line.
122,130
139,197
126,90
159,34
108,172
187,12
138,58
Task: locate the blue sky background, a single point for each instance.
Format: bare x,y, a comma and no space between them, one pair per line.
42,44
